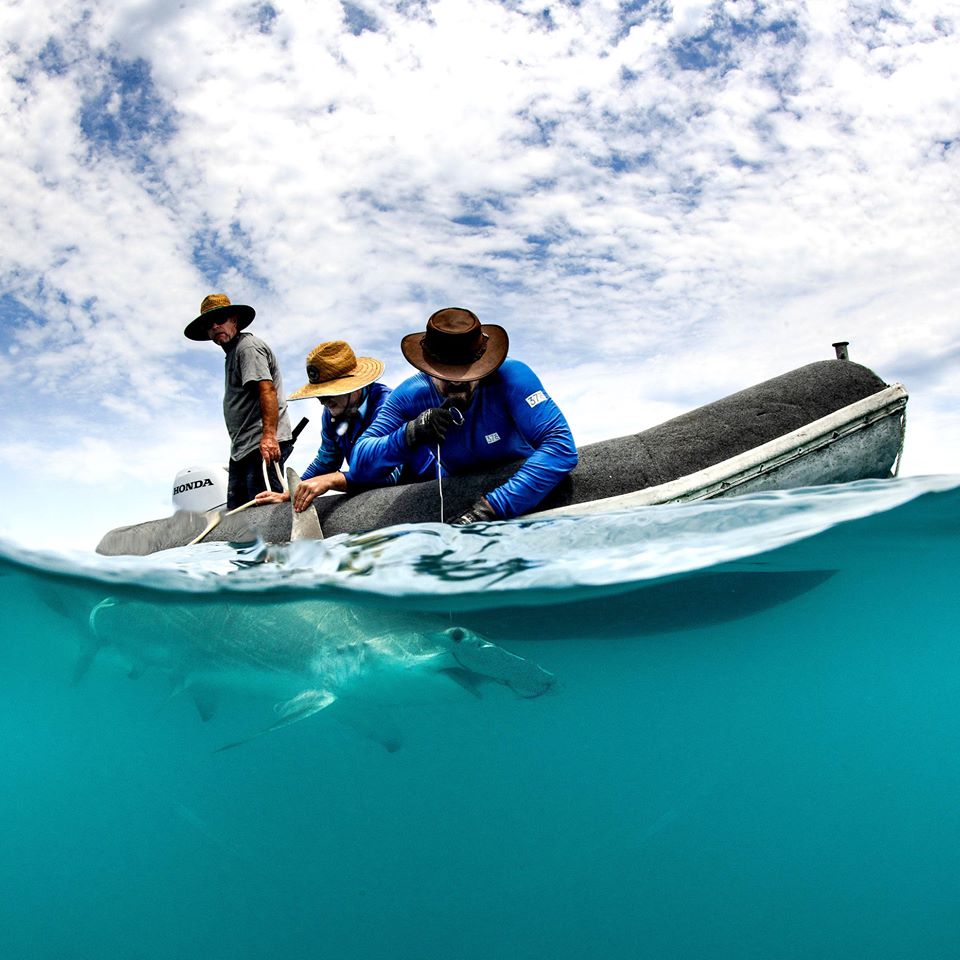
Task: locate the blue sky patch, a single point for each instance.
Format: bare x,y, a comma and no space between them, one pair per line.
358,20
126,115
15,314
215,257
717,47
541,129
632,13
472,220
624,162
266,16
51,59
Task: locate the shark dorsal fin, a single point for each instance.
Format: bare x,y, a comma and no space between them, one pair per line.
305,525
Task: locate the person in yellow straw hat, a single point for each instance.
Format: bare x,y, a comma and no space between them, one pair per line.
351,395
253,406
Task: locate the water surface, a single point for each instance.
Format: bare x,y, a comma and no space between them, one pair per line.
749,748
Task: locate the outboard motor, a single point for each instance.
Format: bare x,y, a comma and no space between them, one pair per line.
200,489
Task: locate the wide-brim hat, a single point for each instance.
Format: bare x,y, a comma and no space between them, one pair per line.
212,305
333,370
457,346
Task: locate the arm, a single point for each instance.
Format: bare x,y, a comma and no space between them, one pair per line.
322,475
383,447
542,424
269,413
329,456
309,490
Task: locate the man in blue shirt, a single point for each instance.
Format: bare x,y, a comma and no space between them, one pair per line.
346,386
469,406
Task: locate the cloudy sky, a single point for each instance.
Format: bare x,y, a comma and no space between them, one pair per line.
662,202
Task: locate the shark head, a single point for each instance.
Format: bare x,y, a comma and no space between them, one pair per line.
485,660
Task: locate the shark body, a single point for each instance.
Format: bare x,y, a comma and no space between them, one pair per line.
304,655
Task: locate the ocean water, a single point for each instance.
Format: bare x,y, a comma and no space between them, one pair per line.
728,729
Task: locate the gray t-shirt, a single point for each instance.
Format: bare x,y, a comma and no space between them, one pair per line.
248,361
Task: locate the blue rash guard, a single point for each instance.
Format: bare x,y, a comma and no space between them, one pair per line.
336,447
509,417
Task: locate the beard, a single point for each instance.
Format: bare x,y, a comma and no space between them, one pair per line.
460,396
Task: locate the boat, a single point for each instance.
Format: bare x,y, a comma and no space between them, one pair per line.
830,421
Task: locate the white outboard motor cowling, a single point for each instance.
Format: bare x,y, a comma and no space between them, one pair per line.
200,489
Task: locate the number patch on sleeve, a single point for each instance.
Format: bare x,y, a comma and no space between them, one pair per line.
536,398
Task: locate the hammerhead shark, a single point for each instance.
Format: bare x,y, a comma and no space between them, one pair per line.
306,654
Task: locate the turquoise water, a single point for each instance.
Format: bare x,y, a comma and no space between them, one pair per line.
748,744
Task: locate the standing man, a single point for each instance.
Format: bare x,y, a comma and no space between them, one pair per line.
475,407
253,406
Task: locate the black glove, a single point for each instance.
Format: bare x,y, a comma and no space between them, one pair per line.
478,513
431,426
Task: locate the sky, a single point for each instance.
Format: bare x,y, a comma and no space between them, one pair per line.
662,202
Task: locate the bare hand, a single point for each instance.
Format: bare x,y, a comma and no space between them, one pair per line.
270,496
270,449
309,490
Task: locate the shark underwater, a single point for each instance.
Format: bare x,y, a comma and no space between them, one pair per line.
306,655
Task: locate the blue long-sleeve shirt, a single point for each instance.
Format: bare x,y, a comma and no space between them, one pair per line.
510,417
336,448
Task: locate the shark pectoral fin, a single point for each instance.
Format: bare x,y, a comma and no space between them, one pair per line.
303,705
87,655
468,679
206,701
377,723
305,525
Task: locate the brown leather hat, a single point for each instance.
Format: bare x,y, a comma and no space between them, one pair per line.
211,309
456,346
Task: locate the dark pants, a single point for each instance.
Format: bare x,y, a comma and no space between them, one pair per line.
245,476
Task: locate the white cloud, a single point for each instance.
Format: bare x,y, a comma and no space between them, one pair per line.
689,16
665,234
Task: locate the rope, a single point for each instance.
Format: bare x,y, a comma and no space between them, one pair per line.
440,481
214,521
457,415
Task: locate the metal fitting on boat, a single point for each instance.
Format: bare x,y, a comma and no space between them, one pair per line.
841,347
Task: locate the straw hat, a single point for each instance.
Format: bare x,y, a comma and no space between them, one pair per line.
456,346
210,312
333,370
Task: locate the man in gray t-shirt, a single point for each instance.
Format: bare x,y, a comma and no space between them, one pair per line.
254,407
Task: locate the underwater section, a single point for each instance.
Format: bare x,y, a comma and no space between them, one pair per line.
725,729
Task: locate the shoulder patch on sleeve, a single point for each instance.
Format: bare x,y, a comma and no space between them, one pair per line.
536,398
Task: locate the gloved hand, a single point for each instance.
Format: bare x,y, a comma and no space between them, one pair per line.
431,426
478,513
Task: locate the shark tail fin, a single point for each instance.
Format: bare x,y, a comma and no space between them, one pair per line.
93,644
